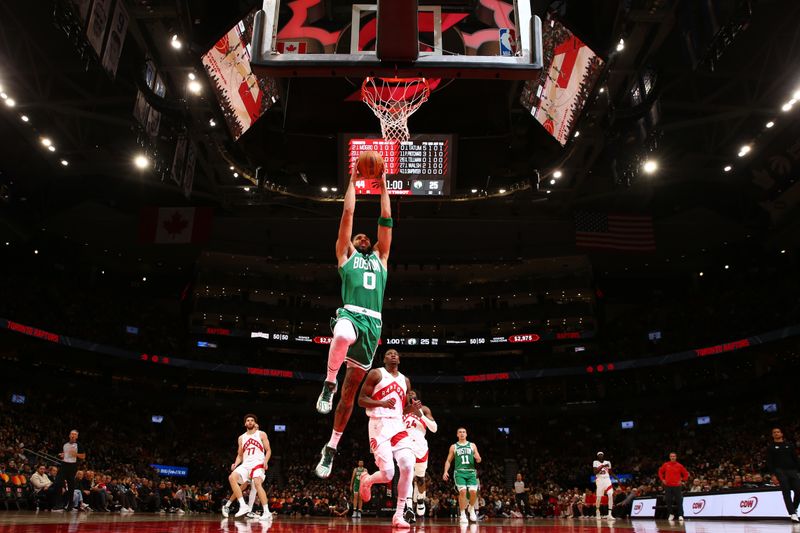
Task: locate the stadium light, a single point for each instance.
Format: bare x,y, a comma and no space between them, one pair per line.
246,189
46,141
141,161
769,124
10,102
727,168
552,182
621,45
788,106
557,174
192,77
334,189
744,150
502,191
64,163
194,87
650,166
24,118
176,42
474,191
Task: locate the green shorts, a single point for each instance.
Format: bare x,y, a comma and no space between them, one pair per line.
356,486
368,331
466,479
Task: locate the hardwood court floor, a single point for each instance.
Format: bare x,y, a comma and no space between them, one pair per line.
44,522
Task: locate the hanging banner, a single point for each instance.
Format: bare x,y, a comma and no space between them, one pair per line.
179,161
188,177
116,38
98,23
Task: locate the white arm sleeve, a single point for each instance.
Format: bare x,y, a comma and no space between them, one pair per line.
430,424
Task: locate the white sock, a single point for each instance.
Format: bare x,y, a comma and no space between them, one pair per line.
241,502
335,436
421,496
344,334
227,503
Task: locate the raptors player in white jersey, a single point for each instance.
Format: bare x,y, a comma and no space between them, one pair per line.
252,458
251,499
602,472
418,422
384,396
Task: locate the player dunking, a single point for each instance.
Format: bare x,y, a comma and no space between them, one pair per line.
383,394
355,483
465,475
417,423
252,457
602,472
357,325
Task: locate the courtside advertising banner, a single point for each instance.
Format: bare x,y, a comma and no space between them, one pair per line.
644,508
243,96
766,504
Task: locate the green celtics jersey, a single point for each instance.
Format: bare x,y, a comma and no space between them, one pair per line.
363,281
464,457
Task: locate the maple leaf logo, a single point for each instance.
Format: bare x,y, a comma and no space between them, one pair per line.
291,48
176,224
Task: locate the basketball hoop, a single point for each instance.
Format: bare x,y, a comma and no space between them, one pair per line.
393,100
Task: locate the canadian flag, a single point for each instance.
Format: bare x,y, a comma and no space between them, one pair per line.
175,225
291,47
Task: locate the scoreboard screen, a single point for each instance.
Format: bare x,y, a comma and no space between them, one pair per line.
421,166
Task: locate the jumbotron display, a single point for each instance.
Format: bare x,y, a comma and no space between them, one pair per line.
422,166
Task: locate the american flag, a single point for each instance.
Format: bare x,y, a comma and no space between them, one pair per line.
631,233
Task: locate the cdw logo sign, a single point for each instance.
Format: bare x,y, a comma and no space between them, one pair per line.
638,508
748,505
698,506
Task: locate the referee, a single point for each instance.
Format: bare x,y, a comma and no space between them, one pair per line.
69,466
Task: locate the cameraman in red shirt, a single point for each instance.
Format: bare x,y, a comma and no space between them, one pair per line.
672,474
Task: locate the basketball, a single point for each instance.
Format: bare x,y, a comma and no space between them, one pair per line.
370,164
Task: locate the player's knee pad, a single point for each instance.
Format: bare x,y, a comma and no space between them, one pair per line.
344,332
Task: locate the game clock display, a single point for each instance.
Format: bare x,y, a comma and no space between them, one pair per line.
421,166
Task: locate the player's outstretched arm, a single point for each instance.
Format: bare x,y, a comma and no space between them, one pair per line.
344,245
384,244
475,453
450,455
427,417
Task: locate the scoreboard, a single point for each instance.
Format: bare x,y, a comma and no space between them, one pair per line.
421,166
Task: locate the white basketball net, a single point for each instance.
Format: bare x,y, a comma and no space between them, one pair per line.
393,100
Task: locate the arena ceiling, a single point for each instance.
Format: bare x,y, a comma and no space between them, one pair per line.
693,119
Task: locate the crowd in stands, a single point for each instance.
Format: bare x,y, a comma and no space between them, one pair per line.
552,457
